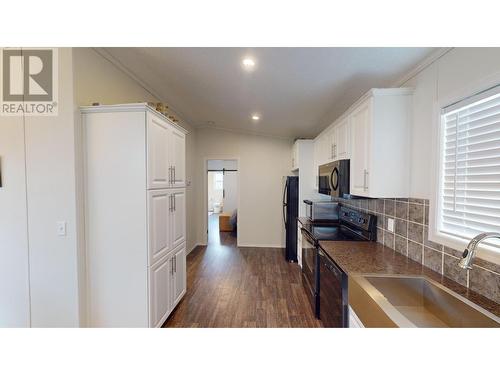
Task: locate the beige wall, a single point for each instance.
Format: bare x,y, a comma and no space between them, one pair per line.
97,80
263,161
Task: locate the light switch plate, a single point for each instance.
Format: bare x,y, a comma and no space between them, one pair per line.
390,225
61,228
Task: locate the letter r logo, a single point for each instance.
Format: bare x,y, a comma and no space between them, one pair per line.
27,75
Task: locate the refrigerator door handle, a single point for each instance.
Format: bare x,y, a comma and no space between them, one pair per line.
284,202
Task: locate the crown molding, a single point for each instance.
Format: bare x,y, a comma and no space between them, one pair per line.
422,65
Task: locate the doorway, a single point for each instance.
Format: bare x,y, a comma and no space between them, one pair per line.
222,201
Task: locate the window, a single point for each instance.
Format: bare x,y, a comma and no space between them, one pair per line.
218,181
469,195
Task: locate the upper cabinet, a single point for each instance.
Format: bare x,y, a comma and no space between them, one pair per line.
334,143
374,135
380,129
341,140
166,154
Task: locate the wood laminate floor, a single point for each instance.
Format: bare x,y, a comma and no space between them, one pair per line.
229,286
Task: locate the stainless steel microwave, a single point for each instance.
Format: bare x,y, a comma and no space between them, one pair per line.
334,178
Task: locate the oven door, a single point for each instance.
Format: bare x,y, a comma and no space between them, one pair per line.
332,294
310,279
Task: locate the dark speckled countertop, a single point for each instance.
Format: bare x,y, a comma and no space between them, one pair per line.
374,258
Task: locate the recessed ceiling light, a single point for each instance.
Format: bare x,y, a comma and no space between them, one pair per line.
248,63
255,117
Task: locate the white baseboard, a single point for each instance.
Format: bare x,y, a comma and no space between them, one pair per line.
277,246
195,246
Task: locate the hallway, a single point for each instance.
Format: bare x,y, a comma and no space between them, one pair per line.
229,286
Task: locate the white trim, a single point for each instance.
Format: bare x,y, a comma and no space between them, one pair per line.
485,252
429,60
275,246
132,107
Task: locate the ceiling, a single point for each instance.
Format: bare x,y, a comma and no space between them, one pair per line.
296,91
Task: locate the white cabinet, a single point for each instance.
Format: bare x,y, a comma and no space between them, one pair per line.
166,154
178,157
360,128
135,215
380,126
341,140
179,275
334,143
160,291
374,135
159,211
159,169
178,217
167,280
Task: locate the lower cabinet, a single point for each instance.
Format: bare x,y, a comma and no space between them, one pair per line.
179,275
167,285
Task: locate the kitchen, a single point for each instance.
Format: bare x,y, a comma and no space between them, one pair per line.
250,187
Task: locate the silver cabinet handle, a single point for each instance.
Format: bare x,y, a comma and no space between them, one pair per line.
170,204
175,178
365,180
335,151
175,264
172,266
174,200
170,175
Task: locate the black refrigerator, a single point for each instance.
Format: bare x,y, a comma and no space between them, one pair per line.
290,214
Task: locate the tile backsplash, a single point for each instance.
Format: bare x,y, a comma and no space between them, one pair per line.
410,238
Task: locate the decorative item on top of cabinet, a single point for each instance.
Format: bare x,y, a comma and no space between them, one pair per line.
134,215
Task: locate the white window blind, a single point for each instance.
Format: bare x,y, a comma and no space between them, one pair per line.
470,171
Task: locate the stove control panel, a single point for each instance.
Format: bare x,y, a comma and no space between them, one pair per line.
357,219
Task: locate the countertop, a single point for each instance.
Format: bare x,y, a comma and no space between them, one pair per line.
374,258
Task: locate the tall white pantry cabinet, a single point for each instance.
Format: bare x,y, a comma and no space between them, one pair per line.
135,218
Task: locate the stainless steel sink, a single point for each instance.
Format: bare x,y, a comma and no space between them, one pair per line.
413,301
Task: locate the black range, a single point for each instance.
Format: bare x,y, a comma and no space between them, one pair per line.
324,281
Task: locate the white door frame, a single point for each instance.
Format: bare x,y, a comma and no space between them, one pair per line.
205,195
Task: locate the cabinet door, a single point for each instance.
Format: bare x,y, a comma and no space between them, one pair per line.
178,217
342,146
160,291
159,209
158,155
360,128
178,157
179,277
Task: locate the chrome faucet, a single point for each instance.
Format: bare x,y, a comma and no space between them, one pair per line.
469,252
